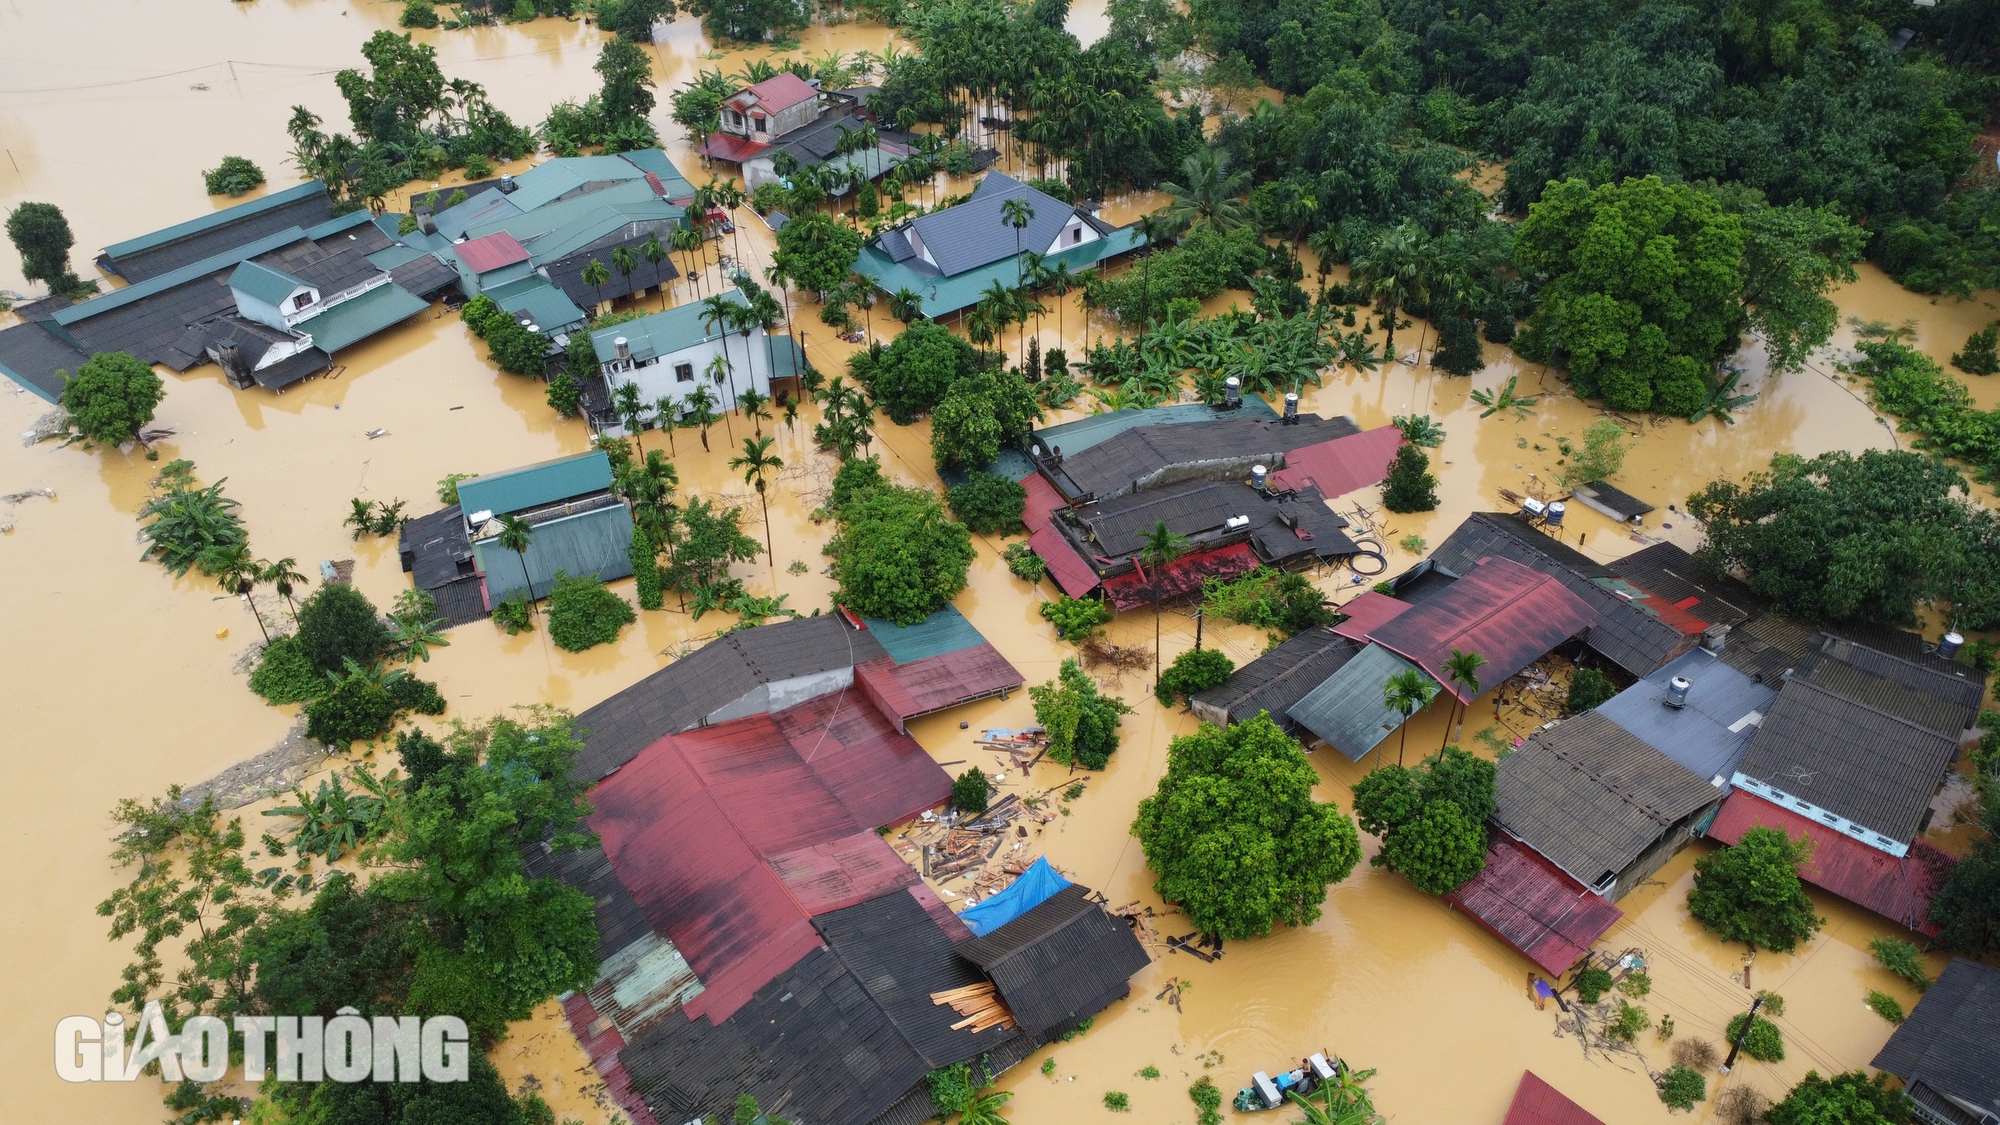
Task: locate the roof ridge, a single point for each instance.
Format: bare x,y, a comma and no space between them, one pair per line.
1870,708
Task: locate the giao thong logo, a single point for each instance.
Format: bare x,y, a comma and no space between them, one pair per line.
346,1048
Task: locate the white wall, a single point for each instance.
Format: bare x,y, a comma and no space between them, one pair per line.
1076,232
656,380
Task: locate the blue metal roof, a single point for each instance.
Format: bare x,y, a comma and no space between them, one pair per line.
655,161
1346,711
532,486
1699,735
947,630
215,219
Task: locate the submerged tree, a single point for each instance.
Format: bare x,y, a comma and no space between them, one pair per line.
110,398
1751,892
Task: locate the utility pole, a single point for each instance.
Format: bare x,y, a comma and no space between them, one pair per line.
1198,618
1737,1044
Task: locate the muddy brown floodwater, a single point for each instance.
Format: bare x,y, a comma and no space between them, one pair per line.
120,682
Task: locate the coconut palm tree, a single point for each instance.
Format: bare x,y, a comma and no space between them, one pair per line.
1404,693
237,573
1159,548
284,577
757,459
654,253
514,535
1461,668
595,275
1208,196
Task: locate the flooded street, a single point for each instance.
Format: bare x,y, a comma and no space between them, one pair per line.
121,681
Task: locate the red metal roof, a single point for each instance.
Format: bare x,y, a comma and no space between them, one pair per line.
1369,612
905,691
1065,565
1342,465
1504,611
777,93
601,1042
491,252
730,147
1530,904
1183,576
730,838
1043,499
1538,1103
1897,889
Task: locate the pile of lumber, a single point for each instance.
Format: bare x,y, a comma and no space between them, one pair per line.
979,1004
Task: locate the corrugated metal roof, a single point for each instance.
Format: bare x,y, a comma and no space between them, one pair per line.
1342,465
1369,612
292,368
548,308
567,272
934,683
1183,576
788,357
894,948
1190,508
1592,798
1897,889
31,355
481,208
947,630
1062,962
551,180
537,485
663,333
941,294
354,320
1613,502
780,92
1529,903
1065,565
1710,733
1043,500
596,543
1673,575
490,252
656,162
732,148
1346,711
149,255
1075,437
264,283
1281,677
1951,1042
1147,456
1508,613
1538,1103
1956,689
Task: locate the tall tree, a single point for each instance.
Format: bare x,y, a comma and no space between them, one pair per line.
515,533
237,573
595,275
1391,272
1461,668
655,253
756,460
284,577
1160,547
1208,199
1406,692
42,236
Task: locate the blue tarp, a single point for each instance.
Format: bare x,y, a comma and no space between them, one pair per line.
1035,886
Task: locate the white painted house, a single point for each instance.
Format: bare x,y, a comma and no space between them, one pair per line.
669,354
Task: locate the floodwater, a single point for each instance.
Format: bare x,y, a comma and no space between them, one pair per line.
121,682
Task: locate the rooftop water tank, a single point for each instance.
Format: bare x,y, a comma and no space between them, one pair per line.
1949,646
1258,473
1235,522
623,347
1677,692
1533,507
1232,392
1556,514
1291,406
507,184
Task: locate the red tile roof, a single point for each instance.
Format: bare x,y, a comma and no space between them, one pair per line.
1897,889
781,92
1065,565
1043,499
1504,611
1530,904
1342,465
491,252
730,147
731,837
1369,612
1538,1103
905,691
1183,576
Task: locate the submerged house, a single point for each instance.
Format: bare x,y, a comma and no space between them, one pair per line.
577,525
667,355
1948,1052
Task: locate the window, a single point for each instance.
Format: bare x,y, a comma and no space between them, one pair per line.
1076,236
757,122
302,300
683,372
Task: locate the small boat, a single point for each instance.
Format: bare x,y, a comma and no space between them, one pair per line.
1266,1092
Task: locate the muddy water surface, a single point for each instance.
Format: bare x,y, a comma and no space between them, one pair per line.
120,678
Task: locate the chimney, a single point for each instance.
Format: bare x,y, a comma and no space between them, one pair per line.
1714,637
427,224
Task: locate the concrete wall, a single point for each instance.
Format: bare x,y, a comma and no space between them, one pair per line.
265,313
1076,232
657,380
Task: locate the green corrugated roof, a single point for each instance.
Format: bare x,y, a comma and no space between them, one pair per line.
787,357
597,543
386,260
548,307
593,226
541,184
1075,437
533,224
949,294
1346,711
362,317
947,630
264,283
532,486
662,333
655,161
215,219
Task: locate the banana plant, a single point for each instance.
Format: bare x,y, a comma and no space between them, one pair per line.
334,821
1722,399
1504,399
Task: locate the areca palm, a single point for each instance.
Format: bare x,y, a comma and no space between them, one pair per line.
688,242
756,460
1208,196
1461,668
624,261
1392,271
755,406
1152,228
655,253
631,411
1160,547
515,534
718,370
1016,213
700,405
284,577
1404,693
663,409
1062,281
595,275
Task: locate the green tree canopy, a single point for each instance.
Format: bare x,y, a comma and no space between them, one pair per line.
1439,850
1845,1099
981,414
1442,805
909,376
111,397
338,623
42,236
898,555
1082,722
1751,892
988,503
816,252
1235,834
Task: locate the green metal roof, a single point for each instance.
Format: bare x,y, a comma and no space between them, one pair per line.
532,486
338,224
215,219
594,226
1075,437
1346,711
264,283
787,357
533,224
947,630
662,333
542,184
361,317
596,543
655,161
386,260
535,297
949,294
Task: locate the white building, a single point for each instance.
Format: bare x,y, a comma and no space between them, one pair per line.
670,354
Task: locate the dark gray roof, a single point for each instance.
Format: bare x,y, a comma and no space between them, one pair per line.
292,368
1624,634
32,354
677,697
332,263
1200,507
1281,677
1668,572
1617,503
1592,797
567,273
1951,1042
1766,647
620,922
252,338
1346,710
973,233
424,275
1219,449
1849,756
901,956
438,557
1958,688
1060,963
1710,733
818,141
308,207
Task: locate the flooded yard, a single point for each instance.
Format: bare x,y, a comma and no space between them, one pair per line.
122,681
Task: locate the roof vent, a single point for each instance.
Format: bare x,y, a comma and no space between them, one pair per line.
507,184
1714,637
623,346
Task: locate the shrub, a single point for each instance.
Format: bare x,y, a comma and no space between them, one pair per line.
1048,1066
1410,487
110,398
338,623
1901,958
513,615
1588,687
1149,1073
1195,670
1082,723
1751,892
1696,1054
951,1087
1885,1005
1680,1087
234,176
1764,1042
970,790
1847,1099
413,694
988,503
1740,1105
646,571
1207,1100
1025,563
358,709
565,395
1268,599
584,613
418,13
1628,1023
1592,983
1117,1102
284,675
1076,619
1982,352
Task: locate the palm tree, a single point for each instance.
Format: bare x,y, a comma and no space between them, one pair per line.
595,275
1152,228
664,411
237,573
718,370
654,253
631,411
1461,668
1062,281
757,459
1159,548
906,304
1209,197
720,311
625,261
688,242
284,577
1404,693
701,411
755,407
1392,273
514,535
1016,213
